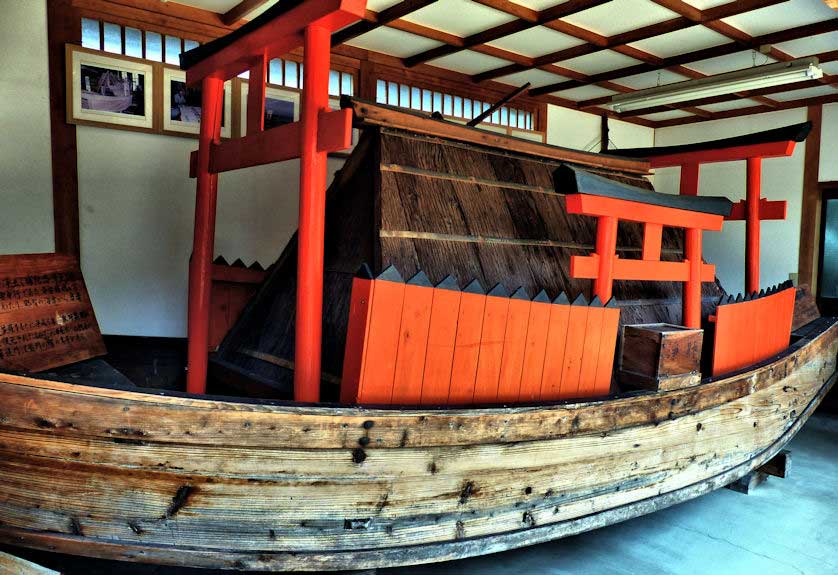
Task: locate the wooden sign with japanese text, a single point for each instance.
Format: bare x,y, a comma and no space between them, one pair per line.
46,318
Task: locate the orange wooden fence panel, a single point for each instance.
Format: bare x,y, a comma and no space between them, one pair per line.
538,326
467,344
412,343
413,340
442,335
491,346
752,329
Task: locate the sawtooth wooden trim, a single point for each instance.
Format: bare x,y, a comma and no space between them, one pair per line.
376,493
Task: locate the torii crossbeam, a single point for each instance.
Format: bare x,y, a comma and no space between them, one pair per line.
288,25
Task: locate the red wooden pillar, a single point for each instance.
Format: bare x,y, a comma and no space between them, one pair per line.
689,179
606,248
691,292
752,225
200,266
692,287
312,224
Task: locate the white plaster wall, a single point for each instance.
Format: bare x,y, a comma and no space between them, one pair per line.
782,179
136,206
829,144
581,131
25,157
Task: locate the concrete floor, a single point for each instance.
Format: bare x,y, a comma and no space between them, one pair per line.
785,526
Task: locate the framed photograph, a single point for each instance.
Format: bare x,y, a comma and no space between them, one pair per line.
281,107
182,105
108,89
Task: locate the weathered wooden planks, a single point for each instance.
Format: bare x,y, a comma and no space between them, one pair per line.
260,486
46,318
11,565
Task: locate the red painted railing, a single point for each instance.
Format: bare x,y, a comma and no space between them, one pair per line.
751,329
412,343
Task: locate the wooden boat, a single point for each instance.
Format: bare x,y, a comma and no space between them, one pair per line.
268,486
240,483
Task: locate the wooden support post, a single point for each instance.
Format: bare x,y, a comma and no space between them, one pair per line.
606,248
200,266
689,179
692,287
256,95
752,225
312,225
652,237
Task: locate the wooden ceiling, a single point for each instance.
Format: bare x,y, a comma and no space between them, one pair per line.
577,53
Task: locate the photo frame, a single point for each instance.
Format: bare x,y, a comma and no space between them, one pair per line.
107,90
281,107
182,105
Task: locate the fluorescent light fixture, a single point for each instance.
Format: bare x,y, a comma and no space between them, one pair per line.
739,81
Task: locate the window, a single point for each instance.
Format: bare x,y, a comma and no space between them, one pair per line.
149,45
129,41
450,105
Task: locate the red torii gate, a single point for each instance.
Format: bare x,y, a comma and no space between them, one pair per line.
752,148
282,28
610,201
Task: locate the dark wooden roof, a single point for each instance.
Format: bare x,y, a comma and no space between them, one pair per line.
793,133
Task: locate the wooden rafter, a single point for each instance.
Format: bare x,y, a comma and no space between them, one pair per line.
696,55
241,10
383,18
514,26
619,42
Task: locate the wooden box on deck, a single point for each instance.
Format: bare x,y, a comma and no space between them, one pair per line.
660,357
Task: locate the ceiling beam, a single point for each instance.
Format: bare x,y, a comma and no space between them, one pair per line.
696,55
621,40
383,18
506,29
241,10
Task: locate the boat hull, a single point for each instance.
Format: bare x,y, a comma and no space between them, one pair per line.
261,486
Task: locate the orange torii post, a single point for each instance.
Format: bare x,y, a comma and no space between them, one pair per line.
610,202
282,28
752,148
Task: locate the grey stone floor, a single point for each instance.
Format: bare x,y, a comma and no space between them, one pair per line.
785,526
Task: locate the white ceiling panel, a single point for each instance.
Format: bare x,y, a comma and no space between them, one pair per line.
815,92
219,6
732,105
731,62
539,4
681,41
459,17
469,62
620,16
598,62
811,45
393,42
651,79
830,68
379,5
536,41
584,93
781,16
705,4
535,77
671,115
